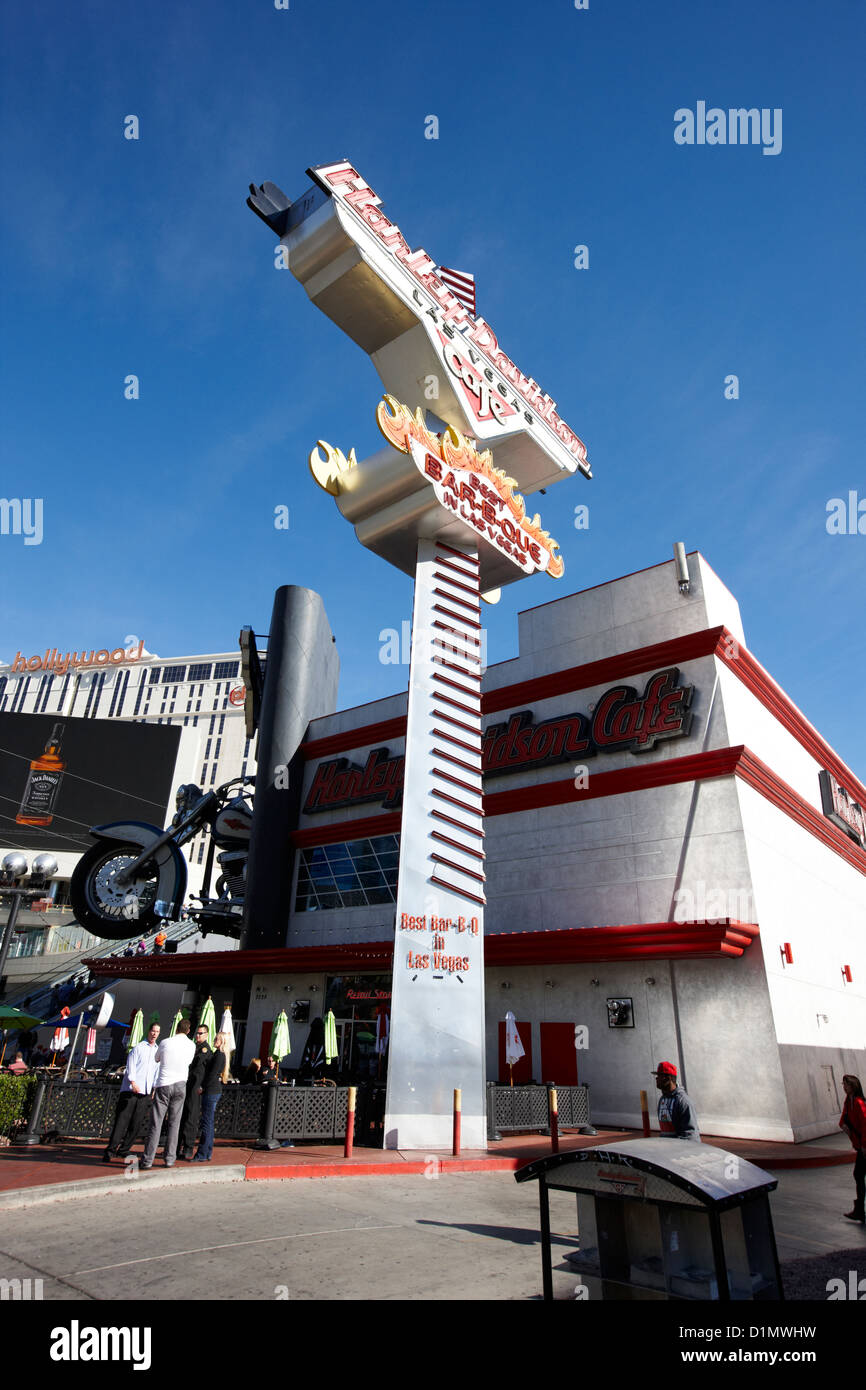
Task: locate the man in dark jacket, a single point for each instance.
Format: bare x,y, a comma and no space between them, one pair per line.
191,1118
677,1116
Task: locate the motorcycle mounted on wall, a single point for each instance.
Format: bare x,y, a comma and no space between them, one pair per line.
135,876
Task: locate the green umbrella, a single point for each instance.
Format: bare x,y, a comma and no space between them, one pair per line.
279,1047
136,1032
208,1021
330,1037
154,1018
174,1022
14,1018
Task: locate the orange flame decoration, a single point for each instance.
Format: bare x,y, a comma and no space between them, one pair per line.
400,426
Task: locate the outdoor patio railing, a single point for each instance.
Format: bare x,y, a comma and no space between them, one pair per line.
527,1108
85,1110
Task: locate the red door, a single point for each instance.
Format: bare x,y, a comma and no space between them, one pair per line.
265,1041
522,1069
558,1055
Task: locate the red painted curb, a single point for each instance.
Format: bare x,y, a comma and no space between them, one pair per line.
257,1172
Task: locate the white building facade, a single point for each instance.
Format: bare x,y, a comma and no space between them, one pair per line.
657,839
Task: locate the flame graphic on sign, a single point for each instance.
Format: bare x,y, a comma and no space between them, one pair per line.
400,426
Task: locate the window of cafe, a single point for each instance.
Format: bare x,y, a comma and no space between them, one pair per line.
362,1010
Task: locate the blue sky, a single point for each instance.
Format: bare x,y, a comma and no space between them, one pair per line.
556,129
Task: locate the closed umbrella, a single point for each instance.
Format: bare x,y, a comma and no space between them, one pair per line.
174,1022
136,1032
208,1021
513,1046
280,1038
60,1039
330,1037
227,1029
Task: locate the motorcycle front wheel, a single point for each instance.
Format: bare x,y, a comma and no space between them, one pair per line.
103,906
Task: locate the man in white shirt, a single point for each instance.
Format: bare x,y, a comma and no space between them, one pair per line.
137,1084
174,1056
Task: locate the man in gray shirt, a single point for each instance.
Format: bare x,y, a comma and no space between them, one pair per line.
677,1116
174,1056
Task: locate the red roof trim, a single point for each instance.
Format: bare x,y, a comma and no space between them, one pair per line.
570,946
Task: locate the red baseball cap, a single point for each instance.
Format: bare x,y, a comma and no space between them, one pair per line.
665,1069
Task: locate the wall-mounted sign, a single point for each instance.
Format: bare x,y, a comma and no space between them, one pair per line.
53,661
622,719
842,809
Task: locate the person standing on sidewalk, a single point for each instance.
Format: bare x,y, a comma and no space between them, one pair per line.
137,1084
677,1116
174,1056
190,1122
215,1075
853,1122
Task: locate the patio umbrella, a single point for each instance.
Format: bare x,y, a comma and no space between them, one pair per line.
174,1022
60,1038
136,1032
279,1047
207,1020
513,1046
330,1037
154,1018
14,1018
228,1030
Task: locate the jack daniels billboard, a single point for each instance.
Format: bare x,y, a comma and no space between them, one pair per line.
59,776
622,719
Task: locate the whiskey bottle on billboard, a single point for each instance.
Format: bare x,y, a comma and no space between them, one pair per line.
43,784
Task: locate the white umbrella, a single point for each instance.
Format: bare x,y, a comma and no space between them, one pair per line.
228,1031
514,1049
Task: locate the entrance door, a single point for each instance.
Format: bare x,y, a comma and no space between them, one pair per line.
558,1055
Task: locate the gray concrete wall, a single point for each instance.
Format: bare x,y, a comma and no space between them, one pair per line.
813,1085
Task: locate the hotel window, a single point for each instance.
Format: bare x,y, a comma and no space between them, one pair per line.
3,683
155,673
172,674
66,679
18,698
213,773
225,670
45,691
360,873
200,672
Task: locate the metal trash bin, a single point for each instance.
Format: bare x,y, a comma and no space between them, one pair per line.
663,1218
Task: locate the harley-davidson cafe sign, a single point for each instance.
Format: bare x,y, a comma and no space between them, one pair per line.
622,719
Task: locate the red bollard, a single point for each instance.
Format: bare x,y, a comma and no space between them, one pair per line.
455,1143
644,1114
350,1123
553,1104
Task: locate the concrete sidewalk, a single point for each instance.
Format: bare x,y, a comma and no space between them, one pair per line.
74,1167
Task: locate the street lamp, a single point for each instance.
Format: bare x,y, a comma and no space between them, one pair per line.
12,873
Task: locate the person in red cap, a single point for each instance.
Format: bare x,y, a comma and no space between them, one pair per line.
677,1116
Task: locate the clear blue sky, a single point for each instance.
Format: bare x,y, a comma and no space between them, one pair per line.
556,128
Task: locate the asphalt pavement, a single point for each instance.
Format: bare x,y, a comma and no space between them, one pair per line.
467,1237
